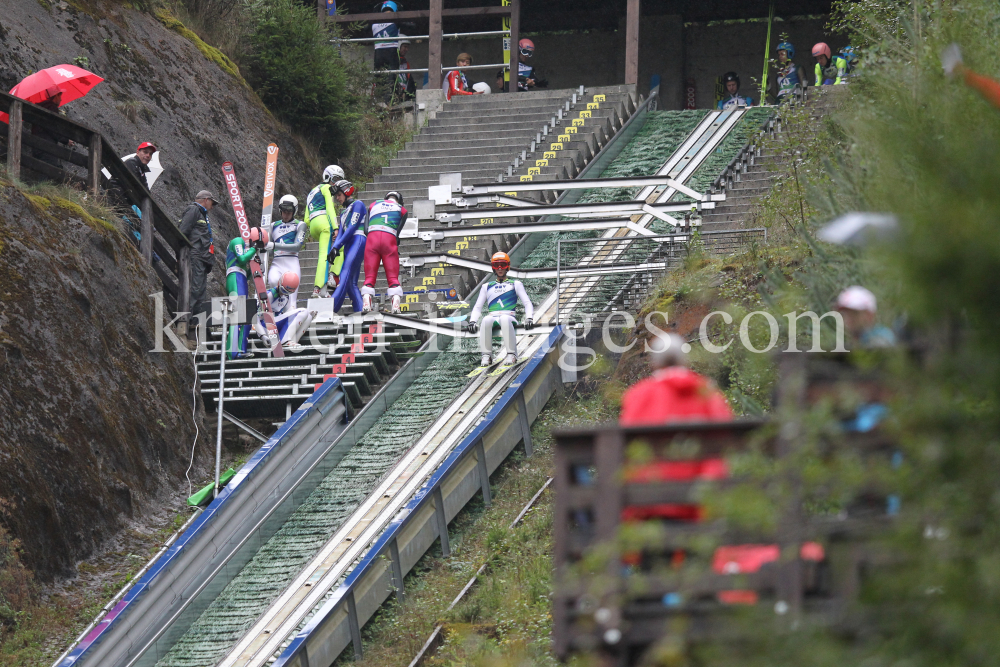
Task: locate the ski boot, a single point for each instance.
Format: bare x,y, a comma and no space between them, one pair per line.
244,355
316,294
396,310
510,360
366,303
485,361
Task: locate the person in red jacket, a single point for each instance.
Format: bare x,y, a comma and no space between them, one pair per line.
673,392
455,83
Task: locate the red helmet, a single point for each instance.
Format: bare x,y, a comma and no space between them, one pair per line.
500,260
821,49
258,235
526,45
289,282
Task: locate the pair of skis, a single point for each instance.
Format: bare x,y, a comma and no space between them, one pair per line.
259,279
496,368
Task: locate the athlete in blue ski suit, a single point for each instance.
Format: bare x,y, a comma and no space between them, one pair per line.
350,237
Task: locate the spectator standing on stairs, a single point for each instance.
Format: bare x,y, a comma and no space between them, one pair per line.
198,230
321,216
456,83
674,392
138,164
350,238
386,218
287,239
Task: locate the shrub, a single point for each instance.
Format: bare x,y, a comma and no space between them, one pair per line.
299,75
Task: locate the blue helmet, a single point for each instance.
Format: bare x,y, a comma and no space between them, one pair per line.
848,54
389,4
788,48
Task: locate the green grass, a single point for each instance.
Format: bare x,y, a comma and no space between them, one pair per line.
506,617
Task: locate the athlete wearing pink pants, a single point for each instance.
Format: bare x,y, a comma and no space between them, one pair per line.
386,218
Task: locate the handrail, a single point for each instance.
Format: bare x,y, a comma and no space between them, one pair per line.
99,153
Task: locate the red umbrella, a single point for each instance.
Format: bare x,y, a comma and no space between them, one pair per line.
71,80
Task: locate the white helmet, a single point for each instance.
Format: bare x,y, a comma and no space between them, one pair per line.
333,173
482,87
288,202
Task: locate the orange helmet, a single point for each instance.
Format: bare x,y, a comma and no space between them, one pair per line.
500,260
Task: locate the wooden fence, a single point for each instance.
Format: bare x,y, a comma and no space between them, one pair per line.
64,163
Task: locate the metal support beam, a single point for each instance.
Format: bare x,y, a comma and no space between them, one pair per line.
14,127
421,14
434,47
583,184
397,571
579,210
522,415
484,473
632,43
352,621
442,522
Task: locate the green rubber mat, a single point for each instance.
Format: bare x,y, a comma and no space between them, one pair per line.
267,574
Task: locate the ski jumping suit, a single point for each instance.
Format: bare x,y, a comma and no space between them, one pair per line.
350,237
321,216
238,256
502,298
789,83
456,84
734,101
292,322
835,72
386,53
385,221
288,239
524,72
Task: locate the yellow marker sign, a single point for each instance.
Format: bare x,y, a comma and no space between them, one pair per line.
418,288
412,298
593,105
600,98
542,163
404,307
585,114
556,146
455,252
468,238
577,122
462,245
437,272
430,280
511,194
564,138
550,155
534,171
571,130
486,221
529,177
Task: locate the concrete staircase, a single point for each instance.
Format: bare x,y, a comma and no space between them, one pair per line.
487,138
764,161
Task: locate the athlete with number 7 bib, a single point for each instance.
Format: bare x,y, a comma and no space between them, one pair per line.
500,298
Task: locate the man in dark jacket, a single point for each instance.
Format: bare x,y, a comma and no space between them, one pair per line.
198,230
138,164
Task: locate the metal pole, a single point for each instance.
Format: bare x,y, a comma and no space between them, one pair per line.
558,276
222,395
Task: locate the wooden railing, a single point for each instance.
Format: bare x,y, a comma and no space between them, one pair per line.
160,235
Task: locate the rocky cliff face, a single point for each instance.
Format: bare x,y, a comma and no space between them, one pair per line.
93,424
162,87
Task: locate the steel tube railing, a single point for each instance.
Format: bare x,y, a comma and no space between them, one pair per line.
453,35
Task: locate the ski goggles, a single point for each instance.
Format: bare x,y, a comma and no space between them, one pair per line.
501,265
527,53
286,207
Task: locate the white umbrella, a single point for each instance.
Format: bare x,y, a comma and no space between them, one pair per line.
858,228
